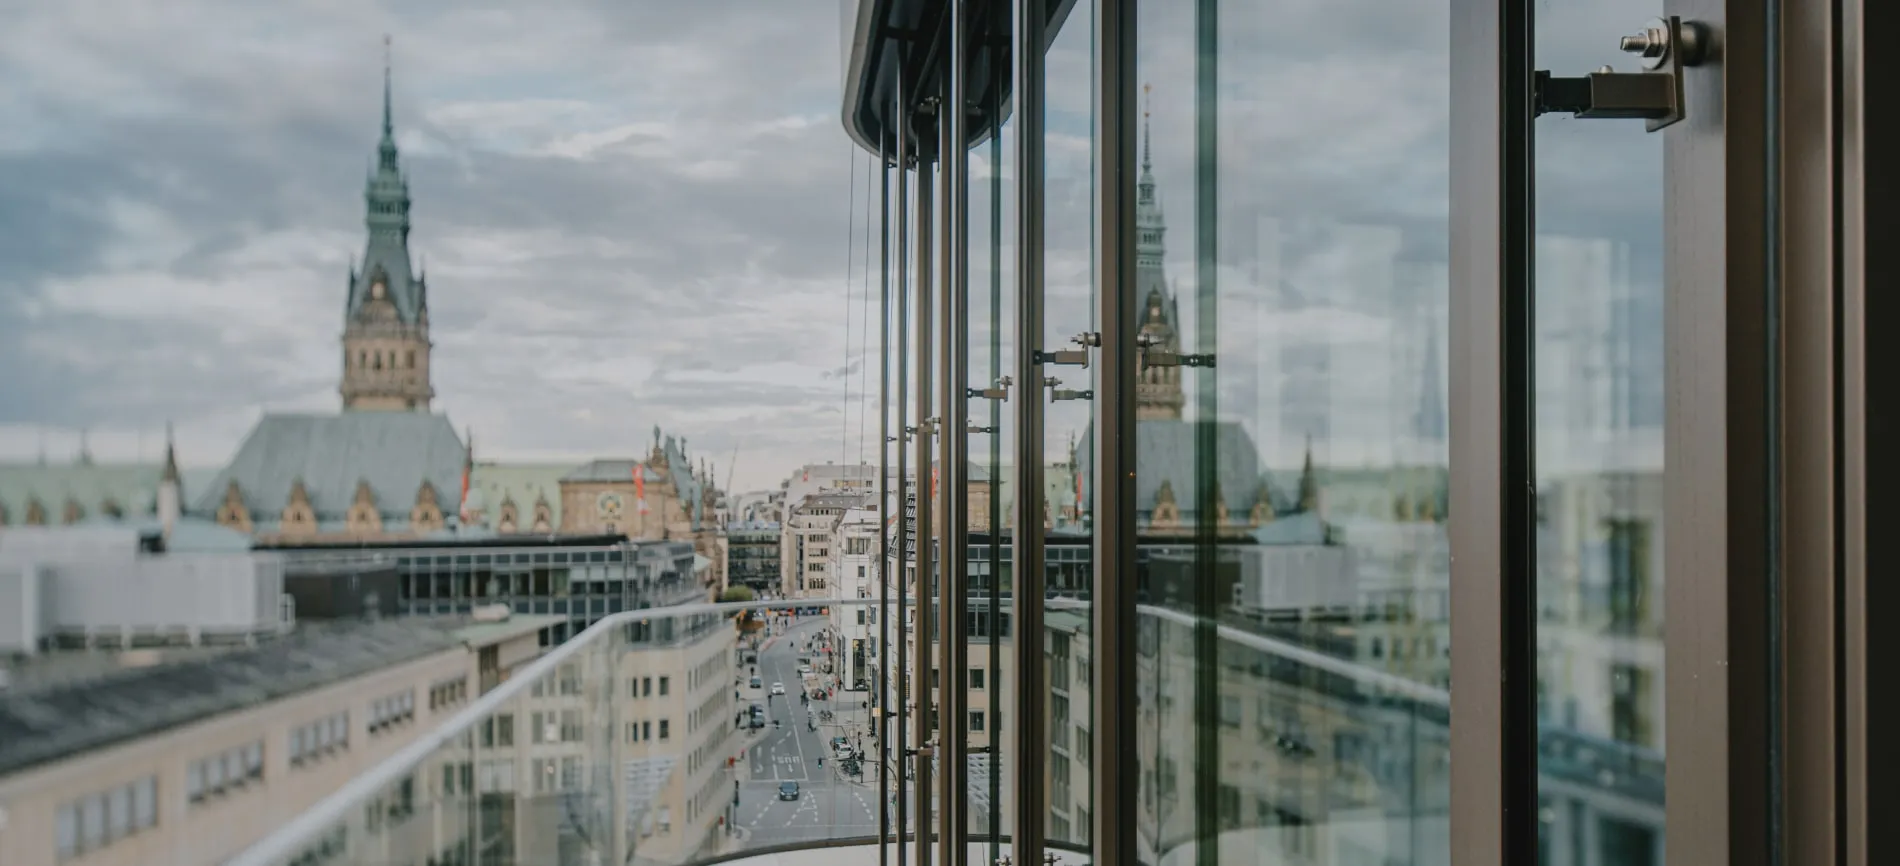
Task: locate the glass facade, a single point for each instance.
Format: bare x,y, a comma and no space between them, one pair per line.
1240,363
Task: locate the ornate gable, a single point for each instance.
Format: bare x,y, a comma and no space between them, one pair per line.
1166,512
363,518
426,516
1261,513
73,512
233,513
298,518
35,512
543,515
510,516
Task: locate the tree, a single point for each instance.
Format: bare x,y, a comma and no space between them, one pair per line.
738,593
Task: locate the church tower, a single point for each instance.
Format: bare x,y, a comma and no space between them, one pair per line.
386,317
1158,393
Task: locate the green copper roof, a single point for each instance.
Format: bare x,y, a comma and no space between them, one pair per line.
96,488
493,483
394,451
386,258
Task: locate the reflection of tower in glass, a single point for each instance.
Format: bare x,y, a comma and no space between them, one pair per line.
1158,394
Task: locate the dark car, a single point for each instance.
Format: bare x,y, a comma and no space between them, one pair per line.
788,790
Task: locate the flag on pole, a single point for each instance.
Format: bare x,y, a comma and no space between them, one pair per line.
464,504
640,486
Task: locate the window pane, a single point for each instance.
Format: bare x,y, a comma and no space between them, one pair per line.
1291,479
1599,420
145,802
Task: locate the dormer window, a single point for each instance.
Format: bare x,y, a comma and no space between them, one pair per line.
376,289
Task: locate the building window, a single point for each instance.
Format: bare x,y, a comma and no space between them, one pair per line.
976,721
387,712
498,732
97,820
215,774
316,739
976,678
664,732
664,683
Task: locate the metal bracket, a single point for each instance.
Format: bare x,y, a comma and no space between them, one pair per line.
1057,395
976,429
1071,357
1666,47
999,392
1151,358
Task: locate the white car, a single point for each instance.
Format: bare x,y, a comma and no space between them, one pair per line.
778,688
804,670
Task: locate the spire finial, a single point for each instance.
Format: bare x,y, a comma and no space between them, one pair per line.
389,125
1147,110
170,472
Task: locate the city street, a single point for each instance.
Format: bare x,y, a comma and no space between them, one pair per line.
828,804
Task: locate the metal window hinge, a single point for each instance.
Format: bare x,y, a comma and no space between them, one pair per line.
1155,358
978,429
1071,357
1000,391
1665,47
1059,394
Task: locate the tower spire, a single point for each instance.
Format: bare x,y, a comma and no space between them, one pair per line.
170,473
389,123
1147,110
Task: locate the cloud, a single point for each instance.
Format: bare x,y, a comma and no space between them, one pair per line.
630,214
637,213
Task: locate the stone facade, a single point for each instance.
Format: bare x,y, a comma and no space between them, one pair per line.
671,499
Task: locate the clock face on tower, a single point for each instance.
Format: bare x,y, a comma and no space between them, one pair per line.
609,506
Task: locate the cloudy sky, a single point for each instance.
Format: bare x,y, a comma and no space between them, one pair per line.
636,214
631,214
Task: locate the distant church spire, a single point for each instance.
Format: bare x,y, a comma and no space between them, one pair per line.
386,321
389,123
170,474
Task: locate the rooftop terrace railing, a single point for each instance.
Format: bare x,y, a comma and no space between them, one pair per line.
638,741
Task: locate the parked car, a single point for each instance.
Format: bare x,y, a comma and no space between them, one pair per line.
756,682
788,790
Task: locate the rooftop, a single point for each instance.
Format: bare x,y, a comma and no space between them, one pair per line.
147,693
